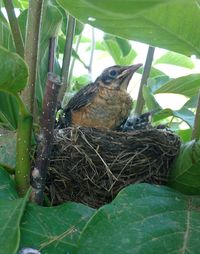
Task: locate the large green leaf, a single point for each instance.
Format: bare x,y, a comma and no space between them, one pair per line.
7,186
185,173
56,229
11,212
175,59
168,24
120,50
187,85
14,71
144,219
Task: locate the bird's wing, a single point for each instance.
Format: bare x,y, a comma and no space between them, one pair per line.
82,98
79,100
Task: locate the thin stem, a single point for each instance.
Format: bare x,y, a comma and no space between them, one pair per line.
196,129
67,56
92,52
31,50
25,121
51,62
145,75
74,59
19,45
23,164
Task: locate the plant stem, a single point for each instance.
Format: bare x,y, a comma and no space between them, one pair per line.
74,59
67,56
16,33
39,172
91,52
196,129
31,50
145,75
51,62
22,172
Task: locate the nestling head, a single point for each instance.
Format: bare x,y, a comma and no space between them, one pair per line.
117,77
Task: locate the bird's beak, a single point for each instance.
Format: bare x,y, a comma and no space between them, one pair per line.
126,74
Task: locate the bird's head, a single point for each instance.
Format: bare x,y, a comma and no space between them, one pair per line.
117,77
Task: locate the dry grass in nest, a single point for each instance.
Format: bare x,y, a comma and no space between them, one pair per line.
91,166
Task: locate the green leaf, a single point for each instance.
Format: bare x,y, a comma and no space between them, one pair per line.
7,186
153,73
11,213
8,149
185,173
54,229
192,102
5,34
120,50
150,100
185,135
124,45
8,111
164,24
14,72
185,114
187,85
144,219
175,59
156,82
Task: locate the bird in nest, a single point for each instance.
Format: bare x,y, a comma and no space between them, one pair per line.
103,104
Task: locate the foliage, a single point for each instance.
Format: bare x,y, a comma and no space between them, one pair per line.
142,218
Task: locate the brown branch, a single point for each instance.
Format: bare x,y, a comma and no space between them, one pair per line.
51,62
45,138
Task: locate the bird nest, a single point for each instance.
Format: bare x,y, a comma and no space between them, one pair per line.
91,166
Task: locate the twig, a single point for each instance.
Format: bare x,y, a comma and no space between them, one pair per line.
52,47
74,59
31,50
92,52
67,56
145,75
39,172
196,129
16,33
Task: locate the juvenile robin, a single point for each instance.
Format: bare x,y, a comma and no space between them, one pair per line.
104,104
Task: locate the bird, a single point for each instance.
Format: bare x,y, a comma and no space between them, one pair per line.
103,104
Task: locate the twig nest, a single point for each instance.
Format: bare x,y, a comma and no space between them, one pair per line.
91,166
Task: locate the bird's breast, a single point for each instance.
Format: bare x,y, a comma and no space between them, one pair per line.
107,110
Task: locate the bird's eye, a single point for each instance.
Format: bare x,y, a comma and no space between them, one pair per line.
113,73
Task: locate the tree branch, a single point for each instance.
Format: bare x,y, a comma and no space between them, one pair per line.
147,68
39,172
16,33
67,56
74,59
92,52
